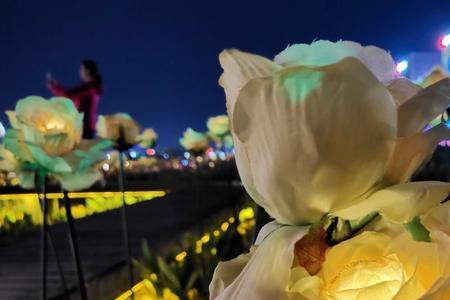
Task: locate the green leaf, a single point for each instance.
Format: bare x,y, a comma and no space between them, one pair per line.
148,257
168,273
191,281
143,269
357,225
417,230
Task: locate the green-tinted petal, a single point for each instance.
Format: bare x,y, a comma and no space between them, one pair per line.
51,163
14,143
78,181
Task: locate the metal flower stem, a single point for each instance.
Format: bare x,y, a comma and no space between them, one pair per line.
74,247
197,192
198,206
46,236
42,183
58,262
121,177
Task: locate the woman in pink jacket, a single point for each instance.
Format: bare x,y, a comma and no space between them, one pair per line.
85,96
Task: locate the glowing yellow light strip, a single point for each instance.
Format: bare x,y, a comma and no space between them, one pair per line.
81,195
135,289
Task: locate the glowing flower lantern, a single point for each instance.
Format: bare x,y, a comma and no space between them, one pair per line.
219,131
148,138
331,162
46,141
218,126
124,132
194,141
46,137
119,128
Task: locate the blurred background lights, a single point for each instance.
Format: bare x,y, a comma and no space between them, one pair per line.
222,155
444,41
402,66
151,152
133,154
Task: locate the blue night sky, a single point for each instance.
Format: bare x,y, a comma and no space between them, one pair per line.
159,58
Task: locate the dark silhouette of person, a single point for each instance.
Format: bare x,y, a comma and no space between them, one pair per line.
85,96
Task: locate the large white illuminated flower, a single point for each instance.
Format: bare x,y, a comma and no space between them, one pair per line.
324,130
312,140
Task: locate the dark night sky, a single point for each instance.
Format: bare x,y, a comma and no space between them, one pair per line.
159,58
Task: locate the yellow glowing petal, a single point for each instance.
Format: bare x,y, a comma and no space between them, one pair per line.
12,119
305,285
440,290
399,203
322,126
368,246
421,109
427,257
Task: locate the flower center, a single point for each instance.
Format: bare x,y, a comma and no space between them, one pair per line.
362,279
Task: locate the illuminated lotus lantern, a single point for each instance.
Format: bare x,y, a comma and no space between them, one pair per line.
194,141
326,142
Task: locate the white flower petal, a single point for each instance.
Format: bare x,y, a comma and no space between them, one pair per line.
402,90
323,52
239,67
309,139
399,203
412,152
416,113
265,274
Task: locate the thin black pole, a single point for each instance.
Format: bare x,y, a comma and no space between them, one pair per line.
58,261
47,237
42,183
74,247
126,241
200,215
